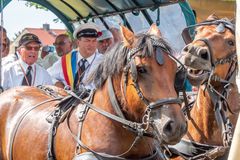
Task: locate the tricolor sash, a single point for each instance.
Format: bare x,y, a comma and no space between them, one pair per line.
69,67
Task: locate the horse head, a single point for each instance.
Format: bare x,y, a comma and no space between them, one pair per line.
143,71
211,61
212,53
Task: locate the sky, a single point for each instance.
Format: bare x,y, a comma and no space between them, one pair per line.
17,16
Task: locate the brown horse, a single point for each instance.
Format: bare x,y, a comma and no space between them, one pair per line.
134,108
211,62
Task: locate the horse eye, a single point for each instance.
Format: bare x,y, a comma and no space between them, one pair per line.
141,69
231,43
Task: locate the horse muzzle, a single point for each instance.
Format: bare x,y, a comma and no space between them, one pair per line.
168,129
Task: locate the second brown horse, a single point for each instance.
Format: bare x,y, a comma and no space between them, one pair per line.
211,62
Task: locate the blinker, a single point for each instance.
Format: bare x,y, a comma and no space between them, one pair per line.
220,28
159,56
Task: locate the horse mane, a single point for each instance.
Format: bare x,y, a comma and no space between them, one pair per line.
116,58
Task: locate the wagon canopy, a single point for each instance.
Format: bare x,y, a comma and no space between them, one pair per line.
170,15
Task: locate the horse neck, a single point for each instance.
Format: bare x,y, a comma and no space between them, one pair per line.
202,125
103,92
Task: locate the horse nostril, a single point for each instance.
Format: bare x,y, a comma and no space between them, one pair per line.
185,49
203,53
169,128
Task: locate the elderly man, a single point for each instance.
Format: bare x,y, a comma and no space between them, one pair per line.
104,41
25,72
63,44
73,69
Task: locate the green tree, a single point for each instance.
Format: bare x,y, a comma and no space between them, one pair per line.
37,6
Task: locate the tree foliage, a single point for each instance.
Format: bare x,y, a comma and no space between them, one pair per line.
37,6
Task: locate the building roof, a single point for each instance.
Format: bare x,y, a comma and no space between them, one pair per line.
47,37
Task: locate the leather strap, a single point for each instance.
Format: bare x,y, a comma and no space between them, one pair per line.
113,99
19,121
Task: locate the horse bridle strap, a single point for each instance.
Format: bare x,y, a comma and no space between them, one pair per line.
113,99
133,125
162,102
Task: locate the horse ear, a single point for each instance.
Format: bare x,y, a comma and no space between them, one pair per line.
128,36
154,30
212,17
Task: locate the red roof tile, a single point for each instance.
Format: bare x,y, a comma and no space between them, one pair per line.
47,37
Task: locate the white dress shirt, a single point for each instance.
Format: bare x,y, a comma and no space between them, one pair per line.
10,58
13,73
93,61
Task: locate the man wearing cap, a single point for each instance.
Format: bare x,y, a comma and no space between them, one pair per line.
104,41
74,68
25,72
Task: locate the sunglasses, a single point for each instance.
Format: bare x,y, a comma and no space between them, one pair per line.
59,43
30,48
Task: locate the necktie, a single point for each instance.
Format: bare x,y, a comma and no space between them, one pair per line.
80,73
27,79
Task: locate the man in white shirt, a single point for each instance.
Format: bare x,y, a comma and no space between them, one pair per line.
74,68
25,71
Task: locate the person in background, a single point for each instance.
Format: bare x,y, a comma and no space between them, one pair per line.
9,58
73,69
104,41
63,44
6,48
3,41
47,57
25,71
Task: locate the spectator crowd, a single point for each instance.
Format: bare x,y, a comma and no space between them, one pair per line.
33,64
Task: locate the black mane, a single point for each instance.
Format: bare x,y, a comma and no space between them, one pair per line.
116,58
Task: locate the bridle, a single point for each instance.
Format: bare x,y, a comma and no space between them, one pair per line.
219,98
